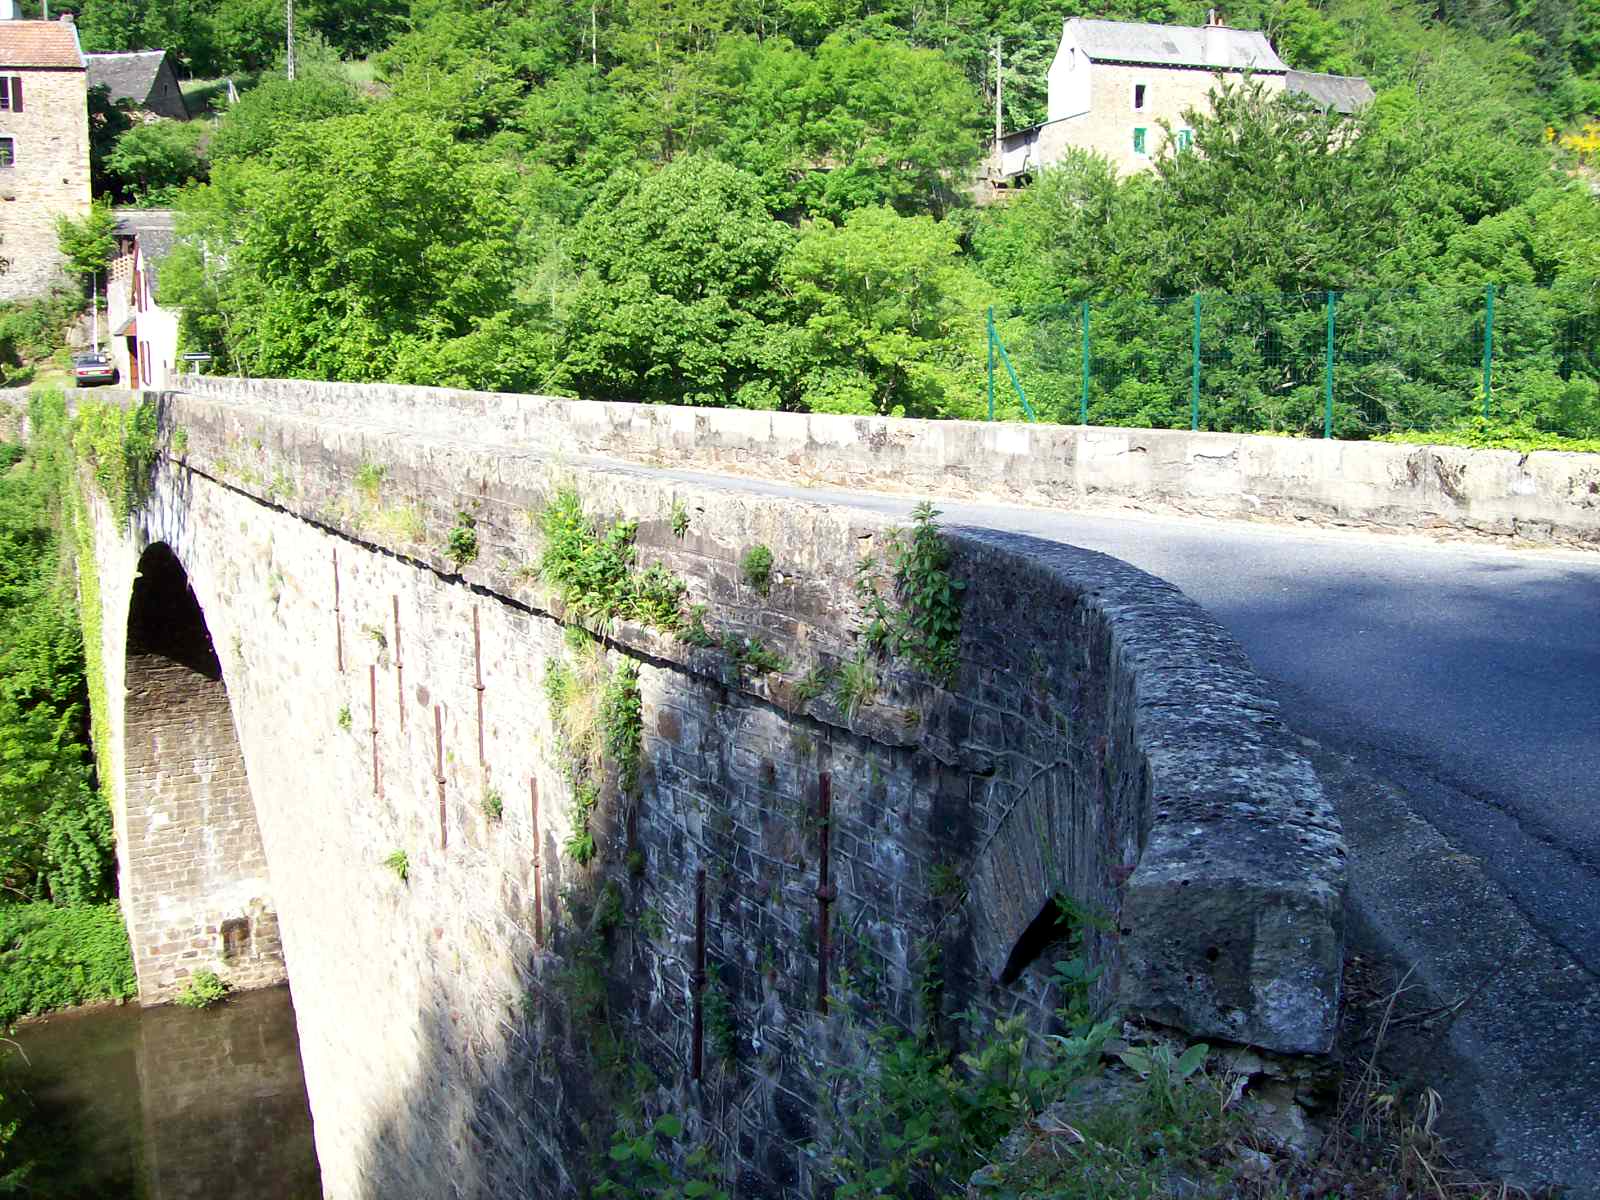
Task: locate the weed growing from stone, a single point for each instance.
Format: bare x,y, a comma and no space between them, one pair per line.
756,567
608,911
855,685
753,655
369,481
592,568
658,598
398,862
652,924
580,844
640,1167
344,718
180,442
946,883
462,542
921,619
622,724
493,806
695,632
722,1029
203,989
401,523
815,682
680,519
375,634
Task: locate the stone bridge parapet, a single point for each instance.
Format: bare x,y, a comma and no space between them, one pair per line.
1445,491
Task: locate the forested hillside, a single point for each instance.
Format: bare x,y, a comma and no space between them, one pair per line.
764,203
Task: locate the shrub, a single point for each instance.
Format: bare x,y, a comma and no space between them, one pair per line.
204,989
756,567
57,956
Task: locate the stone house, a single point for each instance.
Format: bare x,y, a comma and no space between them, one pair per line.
141,79
144,334
1115,87
44,149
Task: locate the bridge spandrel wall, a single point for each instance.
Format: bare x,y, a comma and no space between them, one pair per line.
469,1027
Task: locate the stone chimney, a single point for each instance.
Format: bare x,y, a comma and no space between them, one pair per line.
68,19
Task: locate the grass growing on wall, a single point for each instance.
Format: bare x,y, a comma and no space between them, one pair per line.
54,957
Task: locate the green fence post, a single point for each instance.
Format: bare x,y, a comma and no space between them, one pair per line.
1488,348
1327,375
991,362
1083,400
1016,384
1194,375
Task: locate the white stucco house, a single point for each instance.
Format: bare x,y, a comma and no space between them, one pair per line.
144,334
1112,84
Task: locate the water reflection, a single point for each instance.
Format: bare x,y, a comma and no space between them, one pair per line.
165,1103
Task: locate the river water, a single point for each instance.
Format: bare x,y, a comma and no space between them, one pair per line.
164,1103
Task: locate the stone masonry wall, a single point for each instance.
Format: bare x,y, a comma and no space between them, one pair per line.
471,1028
1448,491
193,873
49,178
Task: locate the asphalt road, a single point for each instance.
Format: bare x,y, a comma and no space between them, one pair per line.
1460,683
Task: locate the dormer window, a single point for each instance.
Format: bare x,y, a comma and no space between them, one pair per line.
1138,97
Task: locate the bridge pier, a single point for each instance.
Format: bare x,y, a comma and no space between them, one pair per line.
195,881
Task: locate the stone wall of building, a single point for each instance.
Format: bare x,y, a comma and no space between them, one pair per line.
470,1025
1107,127
48,179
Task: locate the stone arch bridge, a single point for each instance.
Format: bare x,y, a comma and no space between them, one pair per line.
330,653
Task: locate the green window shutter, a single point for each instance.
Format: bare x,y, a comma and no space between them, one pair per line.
1138,139
1185,139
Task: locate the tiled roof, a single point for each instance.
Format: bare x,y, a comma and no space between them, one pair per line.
132,221
39,44
1342,93
1216,47
127,76
154,246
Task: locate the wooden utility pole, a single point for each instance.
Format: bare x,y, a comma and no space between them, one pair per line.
289,17
999,91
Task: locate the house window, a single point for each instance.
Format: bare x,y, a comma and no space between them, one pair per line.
1138,140
1138,97
1185,138
8,152
10,93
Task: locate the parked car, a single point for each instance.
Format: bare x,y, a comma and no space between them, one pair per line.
93,368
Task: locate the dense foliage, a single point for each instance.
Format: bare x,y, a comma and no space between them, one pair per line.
55,831
55,957
768,206
62,940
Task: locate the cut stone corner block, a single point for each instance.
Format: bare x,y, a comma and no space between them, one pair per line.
1248,960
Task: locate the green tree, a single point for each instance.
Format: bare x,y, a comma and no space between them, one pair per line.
858,123
356,236
891,324
88,244
264,113
676,302
1267,161
152,160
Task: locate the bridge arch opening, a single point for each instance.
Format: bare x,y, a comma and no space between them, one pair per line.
195,887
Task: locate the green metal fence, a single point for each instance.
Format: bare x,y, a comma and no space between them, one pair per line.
1338,364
